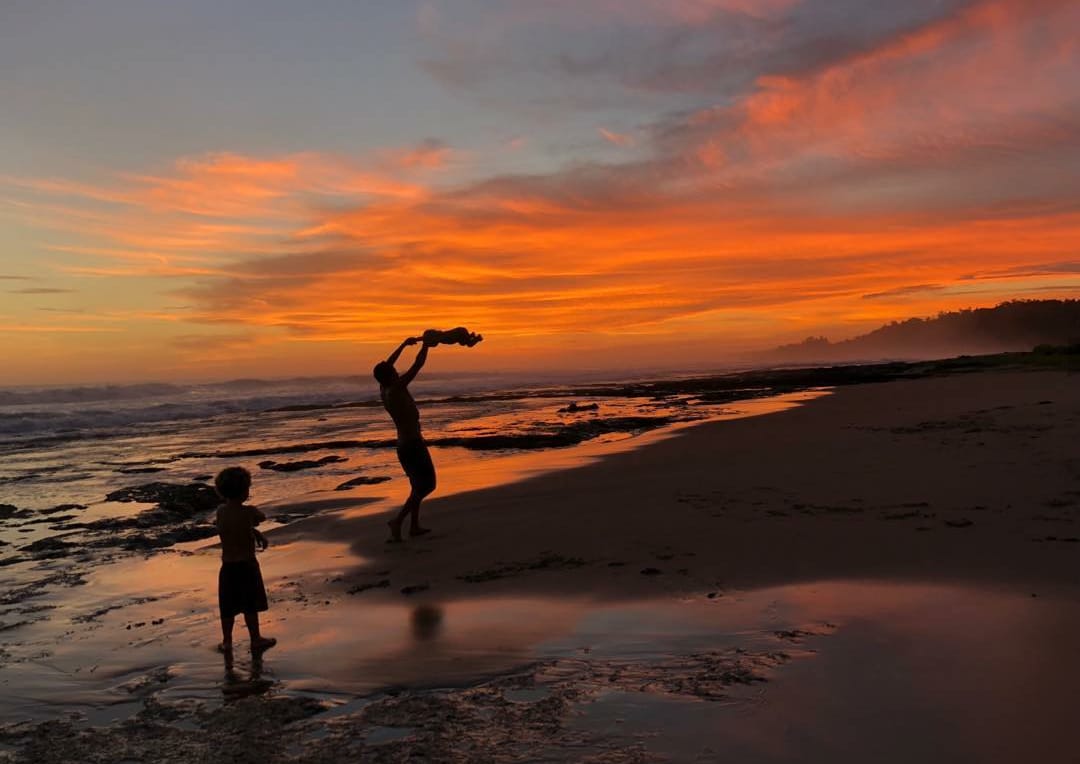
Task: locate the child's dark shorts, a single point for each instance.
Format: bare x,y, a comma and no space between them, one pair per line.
240,588
416,461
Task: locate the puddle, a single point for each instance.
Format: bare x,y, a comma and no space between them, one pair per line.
839,671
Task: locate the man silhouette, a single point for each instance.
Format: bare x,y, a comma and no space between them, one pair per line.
412,451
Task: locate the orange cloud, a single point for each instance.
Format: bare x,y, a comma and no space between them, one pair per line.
522,261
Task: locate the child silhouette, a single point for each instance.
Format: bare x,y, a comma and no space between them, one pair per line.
456,336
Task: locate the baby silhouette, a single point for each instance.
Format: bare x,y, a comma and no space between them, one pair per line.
457,336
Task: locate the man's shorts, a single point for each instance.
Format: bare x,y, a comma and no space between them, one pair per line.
416,461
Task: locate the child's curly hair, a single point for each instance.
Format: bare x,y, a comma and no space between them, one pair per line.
233,483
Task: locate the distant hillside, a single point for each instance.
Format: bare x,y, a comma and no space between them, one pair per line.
1014,325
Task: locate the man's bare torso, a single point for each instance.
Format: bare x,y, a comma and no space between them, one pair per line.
400,405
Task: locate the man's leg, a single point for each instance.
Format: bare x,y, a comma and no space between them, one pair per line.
416,462
414,513
423,485
410,508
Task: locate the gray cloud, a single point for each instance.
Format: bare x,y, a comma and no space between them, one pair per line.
719,56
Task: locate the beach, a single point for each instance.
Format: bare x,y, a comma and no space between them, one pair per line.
500,382
973,477
885,571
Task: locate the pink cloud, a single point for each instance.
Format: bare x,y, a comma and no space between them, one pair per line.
614,138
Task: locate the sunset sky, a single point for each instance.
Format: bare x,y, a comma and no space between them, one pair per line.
204,190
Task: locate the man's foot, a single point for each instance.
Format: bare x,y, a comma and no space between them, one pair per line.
418,531
395,531
262,644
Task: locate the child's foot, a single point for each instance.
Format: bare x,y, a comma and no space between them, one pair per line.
262,644
395,531
418,531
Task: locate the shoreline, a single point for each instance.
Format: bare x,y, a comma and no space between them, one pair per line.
942,510
516,465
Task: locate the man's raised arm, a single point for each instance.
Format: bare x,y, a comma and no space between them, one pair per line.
418,364
392,358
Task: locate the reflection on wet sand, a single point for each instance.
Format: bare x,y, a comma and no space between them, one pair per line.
426,622
237,685
906,671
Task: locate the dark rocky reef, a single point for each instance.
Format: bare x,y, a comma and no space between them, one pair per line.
564,435
177,498
362,480
574,408
295,448
302,464
180,515
11,512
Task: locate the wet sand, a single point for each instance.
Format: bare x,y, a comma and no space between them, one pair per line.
831,671
888,573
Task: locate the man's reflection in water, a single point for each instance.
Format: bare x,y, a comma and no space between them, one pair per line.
427,625
427,621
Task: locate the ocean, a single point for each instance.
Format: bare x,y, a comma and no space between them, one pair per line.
75,445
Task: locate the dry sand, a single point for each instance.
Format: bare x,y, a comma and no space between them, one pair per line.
967,477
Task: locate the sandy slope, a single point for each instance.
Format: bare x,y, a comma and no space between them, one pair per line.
968,476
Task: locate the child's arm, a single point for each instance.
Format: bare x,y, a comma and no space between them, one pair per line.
258,517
